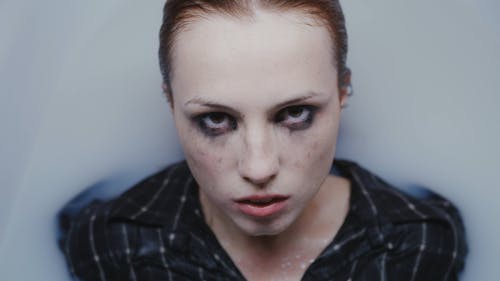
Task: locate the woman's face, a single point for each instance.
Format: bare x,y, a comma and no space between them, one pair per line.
256,106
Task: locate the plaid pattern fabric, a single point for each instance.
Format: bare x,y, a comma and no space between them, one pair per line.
156,231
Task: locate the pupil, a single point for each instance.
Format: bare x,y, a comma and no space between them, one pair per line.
217,118
295,112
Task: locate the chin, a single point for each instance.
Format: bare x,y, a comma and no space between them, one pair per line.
271,227
265,232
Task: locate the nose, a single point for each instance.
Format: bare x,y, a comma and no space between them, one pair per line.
259,160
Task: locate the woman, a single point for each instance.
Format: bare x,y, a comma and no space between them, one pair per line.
256,89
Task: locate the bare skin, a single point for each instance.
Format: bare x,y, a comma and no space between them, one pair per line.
257,105
287,256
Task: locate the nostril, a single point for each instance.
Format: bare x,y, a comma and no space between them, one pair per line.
258,162
259,171
261,181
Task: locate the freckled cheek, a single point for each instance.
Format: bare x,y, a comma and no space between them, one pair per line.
208,159
202,156
311,150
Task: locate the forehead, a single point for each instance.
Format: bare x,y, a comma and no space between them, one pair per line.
270,53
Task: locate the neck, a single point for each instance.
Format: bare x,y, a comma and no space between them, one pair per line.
316,225
287,255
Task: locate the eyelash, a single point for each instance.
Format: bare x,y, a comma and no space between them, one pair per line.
215,129
295,118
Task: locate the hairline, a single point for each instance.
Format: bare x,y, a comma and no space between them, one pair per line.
249,16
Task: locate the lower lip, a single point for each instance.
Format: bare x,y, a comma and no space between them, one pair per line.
261,211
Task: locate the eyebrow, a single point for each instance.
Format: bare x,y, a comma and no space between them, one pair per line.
212,104
307,96
207,103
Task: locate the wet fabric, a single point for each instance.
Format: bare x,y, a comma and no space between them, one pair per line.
156,231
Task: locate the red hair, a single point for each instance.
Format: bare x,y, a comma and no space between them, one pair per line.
179,13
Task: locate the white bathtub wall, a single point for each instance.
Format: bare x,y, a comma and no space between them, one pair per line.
81,103
84,104
426,107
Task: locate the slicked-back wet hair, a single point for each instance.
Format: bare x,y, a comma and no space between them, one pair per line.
177,14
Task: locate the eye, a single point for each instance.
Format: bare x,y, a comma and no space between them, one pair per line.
216,123
298,117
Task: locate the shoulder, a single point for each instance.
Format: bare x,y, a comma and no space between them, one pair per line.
422,234
154,200
89,243
98,238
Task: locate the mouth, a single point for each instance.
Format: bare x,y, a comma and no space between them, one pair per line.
262,205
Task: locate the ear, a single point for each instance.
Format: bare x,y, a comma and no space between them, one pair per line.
168,93
345,87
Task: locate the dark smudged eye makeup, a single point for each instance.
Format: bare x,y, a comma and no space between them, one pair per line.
297,117
294,118
216,123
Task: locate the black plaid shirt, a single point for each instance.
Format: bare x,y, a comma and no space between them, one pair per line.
156,231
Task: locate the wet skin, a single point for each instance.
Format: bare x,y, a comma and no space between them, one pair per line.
256,104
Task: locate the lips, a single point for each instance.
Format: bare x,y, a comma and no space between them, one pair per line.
262,205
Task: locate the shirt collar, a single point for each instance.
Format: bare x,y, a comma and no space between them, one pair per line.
157,199
378,206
